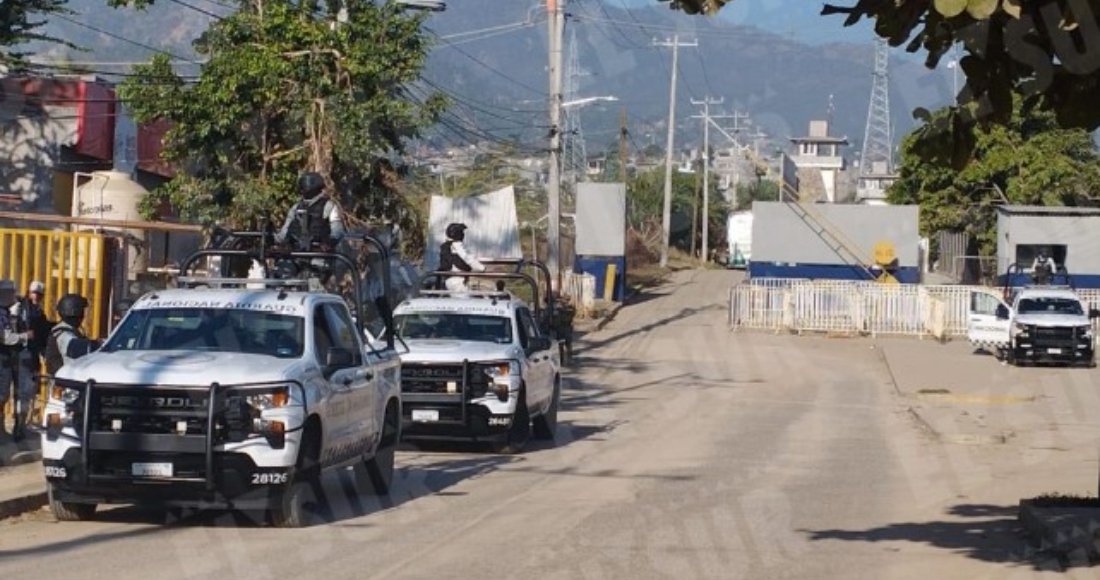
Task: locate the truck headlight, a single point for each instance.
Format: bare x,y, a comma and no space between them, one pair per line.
273,399
501,369
1019,329
63,394
1086,332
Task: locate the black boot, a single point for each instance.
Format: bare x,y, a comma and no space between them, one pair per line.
17,432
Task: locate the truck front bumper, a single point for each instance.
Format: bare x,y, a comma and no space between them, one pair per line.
143,479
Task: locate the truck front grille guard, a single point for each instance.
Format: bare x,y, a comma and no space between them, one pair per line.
215,405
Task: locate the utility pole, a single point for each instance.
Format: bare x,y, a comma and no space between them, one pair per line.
556,20
666,217
707,102
622,146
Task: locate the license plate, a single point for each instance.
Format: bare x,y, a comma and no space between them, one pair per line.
152,470
1054,351
425,415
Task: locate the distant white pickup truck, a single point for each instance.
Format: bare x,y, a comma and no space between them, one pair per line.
1043,324
480,366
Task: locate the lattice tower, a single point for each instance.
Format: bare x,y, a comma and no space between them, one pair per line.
877,140
574,158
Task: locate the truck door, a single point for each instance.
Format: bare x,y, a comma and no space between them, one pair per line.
352,406
989,321
540,386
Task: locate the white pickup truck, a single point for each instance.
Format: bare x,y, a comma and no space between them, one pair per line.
480,366
236,395
1043,324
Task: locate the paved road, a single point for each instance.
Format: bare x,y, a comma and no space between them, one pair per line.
686,451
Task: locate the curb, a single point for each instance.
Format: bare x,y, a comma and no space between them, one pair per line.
1067,533
22,497
15,506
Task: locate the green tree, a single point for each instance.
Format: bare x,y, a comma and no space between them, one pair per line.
1030,160
645,208
759,190
21,21
288,87
1047,51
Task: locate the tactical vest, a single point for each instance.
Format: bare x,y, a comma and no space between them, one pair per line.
313,221
54,358
448,260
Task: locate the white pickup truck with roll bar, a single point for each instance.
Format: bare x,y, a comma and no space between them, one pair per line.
482,365
228,393
1036,323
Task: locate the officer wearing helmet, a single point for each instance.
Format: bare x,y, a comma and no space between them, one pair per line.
67,341
13,343
453,257
315,220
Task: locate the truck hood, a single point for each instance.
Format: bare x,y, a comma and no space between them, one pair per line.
179,367
425,350
1057,320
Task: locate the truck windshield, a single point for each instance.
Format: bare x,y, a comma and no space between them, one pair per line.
1051,306
208,329
454,326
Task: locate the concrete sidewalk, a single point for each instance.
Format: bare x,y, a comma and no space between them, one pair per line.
1043,418
22,486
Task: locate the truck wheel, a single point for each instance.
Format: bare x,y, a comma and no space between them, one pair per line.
520,432
377,472
67,511
291,504
546,425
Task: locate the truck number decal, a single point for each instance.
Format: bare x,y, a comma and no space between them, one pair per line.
268,478
55,471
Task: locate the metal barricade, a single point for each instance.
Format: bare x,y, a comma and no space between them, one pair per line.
64,262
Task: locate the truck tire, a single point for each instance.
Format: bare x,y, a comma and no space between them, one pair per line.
377,472
546,424
291,504
67,511
520,432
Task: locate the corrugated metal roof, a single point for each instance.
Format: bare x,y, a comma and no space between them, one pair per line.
1043,210
491,221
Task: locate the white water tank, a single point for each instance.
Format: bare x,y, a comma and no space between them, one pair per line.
113,196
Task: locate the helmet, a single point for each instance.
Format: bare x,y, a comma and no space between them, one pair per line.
36,287
310,184
71,306
456,232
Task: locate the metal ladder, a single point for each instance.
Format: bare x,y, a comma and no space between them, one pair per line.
841,245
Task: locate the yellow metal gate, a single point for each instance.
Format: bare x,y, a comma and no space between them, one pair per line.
64,262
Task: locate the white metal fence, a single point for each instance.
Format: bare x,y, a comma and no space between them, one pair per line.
857,307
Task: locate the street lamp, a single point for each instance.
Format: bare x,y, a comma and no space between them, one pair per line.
429,5
587,100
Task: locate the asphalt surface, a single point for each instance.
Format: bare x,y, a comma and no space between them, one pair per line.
685,451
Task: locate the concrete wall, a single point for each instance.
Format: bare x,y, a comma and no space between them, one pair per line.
779,235
1081,235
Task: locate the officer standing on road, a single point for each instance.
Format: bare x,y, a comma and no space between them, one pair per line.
316,219
33,317
67,341
453,257
13,343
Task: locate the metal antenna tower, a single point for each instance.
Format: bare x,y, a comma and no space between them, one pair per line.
574,158
877,140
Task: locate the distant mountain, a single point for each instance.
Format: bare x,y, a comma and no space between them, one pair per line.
496,67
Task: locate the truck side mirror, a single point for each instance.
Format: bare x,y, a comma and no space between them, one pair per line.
338,358
1094,313
1002,312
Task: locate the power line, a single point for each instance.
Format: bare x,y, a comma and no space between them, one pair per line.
122,38
197,9
491,68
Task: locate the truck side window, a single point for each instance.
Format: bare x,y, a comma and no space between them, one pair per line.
342,330
322,335
527,326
